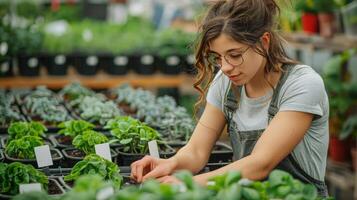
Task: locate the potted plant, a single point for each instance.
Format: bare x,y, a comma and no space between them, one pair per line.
309,15
325,9
22,150
94,164
134,136
6,45
8,112
73,91
84,144
68,131
28,45
339,91
14,174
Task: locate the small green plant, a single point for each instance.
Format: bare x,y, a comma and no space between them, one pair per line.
23,147
7,113
14,174
133,134
94,164
18,130
307,6
73,128
87,140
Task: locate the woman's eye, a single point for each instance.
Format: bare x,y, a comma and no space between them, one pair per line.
235,55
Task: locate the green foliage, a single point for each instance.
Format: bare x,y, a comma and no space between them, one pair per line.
14,174
132,134
73,128
74,91
87,140
69,13
349,127
307,6
33,196
326,6
7,113
94,164
28,41
23,147
18,130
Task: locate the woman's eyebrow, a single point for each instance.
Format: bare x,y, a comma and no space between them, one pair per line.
235,49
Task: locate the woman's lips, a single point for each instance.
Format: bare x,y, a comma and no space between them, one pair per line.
233,76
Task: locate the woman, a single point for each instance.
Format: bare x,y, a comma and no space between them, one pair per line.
276,110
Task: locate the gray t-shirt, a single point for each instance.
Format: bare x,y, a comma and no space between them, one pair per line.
303,91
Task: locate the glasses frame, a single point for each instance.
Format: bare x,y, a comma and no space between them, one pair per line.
219,65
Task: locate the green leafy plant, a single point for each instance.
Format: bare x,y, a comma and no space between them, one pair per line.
307,6
326,6
23,147
133,134
87,140
73,128
94,164
18,130
14,174
7,113
349,127
33,196
74,91
28,40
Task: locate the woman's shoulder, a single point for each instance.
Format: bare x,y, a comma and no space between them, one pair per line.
305,74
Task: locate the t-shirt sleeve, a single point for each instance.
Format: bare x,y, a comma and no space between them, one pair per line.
304,93
216,91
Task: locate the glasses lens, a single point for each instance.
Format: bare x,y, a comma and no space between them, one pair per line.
234,60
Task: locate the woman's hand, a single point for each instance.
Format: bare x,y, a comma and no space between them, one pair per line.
150,167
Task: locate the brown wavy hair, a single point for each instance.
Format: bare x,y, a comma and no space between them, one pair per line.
245,21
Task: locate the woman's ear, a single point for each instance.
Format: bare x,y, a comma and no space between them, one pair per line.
265,40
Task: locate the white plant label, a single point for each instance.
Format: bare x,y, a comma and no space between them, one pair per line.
190,59
153,149
3,48
32,62
60,59
105,193
92,60
30,187
147,59
121,60
103,150
172,60
43,156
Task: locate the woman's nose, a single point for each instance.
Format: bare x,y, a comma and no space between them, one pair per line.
226,67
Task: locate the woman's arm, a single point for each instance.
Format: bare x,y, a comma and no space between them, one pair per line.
195,154
284,132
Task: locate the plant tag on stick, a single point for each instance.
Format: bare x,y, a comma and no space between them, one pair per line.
43,156
103,150
153,149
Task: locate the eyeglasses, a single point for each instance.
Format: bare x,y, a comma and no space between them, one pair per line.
233,58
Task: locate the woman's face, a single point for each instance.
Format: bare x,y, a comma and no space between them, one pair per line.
239,62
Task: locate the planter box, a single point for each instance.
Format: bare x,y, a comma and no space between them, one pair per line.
171,65
125,159
29,65
115,65
55,153
73,155
54,190
6,68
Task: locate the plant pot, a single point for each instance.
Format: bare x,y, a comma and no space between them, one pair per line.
73,155
6,68
29,65
115,65
61,141
171,64
221,153
326,24
189,62
125,159
55,153
338,149
354,158
143,64
57,65
54,190
86,65
310,23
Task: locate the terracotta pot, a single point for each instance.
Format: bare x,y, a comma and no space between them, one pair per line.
326,24
310,23
338,149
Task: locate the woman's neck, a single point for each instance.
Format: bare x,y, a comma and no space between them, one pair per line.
262,83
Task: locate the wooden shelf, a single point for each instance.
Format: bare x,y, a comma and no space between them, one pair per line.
99,81
337,43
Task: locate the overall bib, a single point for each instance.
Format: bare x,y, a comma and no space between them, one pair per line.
243,142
